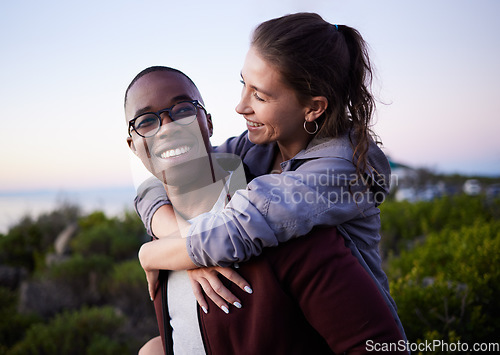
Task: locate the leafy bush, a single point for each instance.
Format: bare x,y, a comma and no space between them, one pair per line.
27,242
83,274
127,290
78,266
102,269
128,274
119,239
87,331
447,287
12,324
403,222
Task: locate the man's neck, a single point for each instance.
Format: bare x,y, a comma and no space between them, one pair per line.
200,196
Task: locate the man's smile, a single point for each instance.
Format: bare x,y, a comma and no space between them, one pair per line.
175,152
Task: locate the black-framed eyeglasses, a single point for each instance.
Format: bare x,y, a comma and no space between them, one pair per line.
148,124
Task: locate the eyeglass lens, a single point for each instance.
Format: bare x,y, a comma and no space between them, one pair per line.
183,113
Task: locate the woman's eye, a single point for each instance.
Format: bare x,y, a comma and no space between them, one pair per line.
256,95
241,81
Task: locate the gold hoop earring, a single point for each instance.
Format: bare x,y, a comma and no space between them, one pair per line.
315,129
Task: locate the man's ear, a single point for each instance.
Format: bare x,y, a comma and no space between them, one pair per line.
131,145
210,125
316,107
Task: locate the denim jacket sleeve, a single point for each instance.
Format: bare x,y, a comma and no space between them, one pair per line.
277,208
151,195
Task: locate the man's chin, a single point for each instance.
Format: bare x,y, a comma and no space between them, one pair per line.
184,174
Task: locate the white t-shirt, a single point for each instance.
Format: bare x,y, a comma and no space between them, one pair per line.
182,304
183,317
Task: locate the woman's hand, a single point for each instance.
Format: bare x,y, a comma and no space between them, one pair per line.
152,277
206,280
152,274
163,254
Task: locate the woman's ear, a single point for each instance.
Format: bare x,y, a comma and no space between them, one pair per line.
317,105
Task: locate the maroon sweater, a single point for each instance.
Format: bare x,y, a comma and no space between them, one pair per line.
311,296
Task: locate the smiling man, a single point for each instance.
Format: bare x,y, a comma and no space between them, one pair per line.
169,130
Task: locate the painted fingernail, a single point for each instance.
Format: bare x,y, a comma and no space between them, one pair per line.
248,289
225,309
204,309
151,298
237,304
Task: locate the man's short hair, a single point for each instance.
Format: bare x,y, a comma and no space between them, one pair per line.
150,70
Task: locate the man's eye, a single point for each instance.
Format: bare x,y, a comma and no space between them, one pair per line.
184,111
146,122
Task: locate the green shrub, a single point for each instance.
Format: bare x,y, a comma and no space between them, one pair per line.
127,291
448,286
102,269
12,324
78,266
403,222
128,273
19,246
87,331
83,274
94,240
117,238
92,219
26,243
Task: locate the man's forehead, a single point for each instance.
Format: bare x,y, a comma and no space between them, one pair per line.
166,80
160,88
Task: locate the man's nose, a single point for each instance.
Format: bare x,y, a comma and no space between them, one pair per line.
167,125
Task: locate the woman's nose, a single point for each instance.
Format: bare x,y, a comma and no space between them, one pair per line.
243,107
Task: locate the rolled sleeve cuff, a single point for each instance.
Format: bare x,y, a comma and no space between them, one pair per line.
149,215
191,254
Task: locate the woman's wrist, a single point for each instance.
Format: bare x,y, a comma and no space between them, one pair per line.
143,255
165,254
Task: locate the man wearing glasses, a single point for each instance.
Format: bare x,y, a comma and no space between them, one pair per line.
169,131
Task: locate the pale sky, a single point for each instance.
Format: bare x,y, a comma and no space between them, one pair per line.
66,64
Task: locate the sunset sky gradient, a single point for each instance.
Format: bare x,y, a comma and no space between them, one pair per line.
65,66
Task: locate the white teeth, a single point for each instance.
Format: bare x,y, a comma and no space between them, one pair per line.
254,124
175,152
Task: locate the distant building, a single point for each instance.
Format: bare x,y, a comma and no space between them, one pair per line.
472,187
410,184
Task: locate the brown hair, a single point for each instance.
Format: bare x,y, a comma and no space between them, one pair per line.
316,58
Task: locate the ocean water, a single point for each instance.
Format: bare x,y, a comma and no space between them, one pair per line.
15,205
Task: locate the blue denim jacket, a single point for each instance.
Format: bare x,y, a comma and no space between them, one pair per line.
318,187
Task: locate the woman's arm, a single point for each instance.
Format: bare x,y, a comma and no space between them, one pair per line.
163,254
276,208
165,223
171,254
